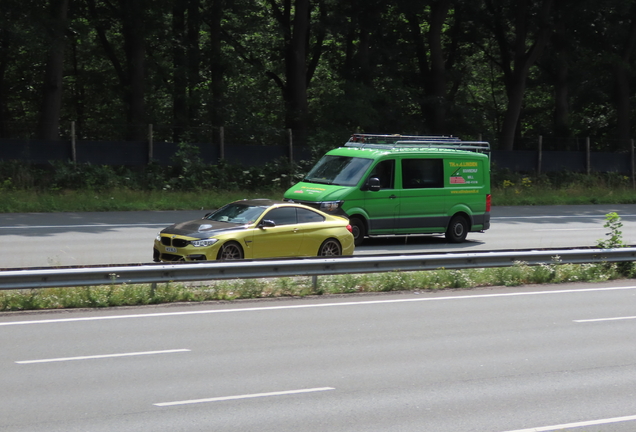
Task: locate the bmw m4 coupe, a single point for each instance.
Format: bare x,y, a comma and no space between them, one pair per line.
257,228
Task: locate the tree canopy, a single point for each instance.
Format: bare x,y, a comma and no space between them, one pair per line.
503,70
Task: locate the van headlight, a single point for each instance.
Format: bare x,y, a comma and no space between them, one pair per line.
203,242
329,206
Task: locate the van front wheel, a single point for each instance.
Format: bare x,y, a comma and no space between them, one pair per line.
457,229
358,230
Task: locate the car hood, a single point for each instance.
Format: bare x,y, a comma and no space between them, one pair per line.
202,228
315,192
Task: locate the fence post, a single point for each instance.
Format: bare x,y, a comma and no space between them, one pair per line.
540,157
73,143
588,161
150,143
633,165
291,157
221,143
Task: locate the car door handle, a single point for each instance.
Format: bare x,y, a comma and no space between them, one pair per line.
392,196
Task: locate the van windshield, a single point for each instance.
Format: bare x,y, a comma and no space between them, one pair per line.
338,170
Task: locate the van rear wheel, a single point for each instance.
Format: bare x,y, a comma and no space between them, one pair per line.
358,229
457,229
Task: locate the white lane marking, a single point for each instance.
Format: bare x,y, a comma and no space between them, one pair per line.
246,396
605,319
557,217
310,306
578,424
62,359
87,226
569,229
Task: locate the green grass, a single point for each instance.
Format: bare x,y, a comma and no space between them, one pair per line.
121,200
25,201
133,295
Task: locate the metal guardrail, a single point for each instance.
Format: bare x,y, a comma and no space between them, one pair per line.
188,272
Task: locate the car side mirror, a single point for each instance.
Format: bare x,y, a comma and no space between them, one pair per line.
374,184
266,223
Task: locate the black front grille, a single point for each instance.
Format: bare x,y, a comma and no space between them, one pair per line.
179,242
176,242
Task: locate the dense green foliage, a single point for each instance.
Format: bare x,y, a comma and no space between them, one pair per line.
503,70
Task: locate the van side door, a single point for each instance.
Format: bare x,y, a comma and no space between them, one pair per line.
382,206
422,196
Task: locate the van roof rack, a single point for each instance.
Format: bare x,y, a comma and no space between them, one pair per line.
391,142
393,138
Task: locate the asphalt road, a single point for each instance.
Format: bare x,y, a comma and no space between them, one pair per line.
538,358
68,239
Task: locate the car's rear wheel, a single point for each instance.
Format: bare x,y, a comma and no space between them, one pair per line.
330,247
230,251
358,229
457,229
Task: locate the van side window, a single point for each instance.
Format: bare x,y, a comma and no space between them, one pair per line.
422,173
385,172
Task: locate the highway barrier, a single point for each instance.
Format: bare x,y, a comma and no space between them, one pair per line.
219,270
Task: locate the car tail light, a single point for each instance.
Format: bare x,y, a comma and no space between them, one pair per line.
350,229
488,202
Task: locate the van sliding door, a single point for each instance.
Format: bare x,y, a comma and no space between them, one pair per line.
422,201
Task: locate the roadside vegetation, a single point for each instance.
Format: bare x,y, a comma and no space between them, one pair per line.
146,294
190,184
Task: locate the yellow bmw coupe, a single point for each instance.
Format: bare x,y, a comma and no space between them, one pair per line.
257,228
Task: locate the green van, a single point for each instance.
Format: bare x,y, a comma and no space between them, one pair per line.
397,184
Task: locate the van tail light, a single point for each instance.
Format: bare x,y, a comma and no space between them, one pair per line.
350,229
488,203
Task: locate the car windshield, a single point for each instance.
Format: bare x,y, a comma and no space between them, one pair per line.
237,213
338,170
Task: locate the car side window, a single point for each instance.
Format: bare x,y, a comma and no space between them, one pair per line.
307,216
385,172
282,216
422,173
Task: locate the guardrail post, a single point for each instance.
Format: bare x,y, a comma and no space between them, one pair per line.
314,282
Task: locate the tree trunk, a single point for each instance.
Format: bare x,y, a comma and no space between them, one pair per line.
50,112
515,77
135,48
562,73
179,90
217,69
296,88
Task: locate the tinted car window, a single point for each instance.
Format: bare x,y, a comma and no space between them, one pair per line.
282,216
384,171
422,173
307,216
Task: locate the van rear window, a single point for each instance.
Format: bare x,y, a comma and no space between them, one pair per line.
338,170
422,173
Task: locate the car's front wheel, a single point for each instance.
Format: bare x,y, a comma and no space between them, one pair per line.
230,251
330,247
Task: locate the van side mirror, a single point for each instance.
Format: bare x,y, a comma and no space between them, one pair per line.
374,184
266,223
